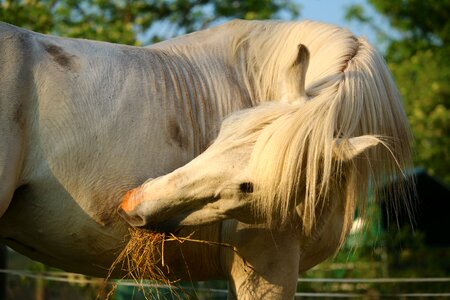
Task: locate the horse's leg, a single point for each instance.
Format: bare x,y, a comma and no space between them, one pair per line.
265,264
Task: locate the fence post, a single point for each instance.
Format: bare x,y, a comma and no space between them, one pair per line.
3,258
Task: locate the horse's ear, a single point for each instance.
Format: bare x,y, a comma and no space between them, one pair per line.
293,86
302,63
347,149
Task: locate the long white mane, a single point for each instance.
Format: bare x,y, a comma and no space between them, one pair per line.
350,92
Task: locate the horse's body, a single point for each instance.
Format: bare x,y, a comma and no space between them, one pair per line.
83,122
80,119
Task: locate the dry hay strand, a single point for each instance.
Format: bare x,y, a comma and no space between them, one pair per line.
141,259
143,256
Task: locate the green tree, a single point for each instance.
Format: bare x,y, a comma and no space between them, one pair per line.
419,57
128,22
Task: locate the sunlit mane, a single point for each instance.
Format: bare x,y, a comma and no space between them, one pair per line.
350,93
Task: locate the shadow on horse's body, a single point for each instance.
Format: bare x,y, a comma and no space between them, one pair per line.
84,122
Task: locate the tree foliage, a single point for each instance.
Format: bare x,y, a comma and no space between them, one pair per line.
419,57
128,22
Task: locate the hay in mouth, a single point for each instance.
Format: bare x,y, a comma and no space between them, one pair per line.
143,258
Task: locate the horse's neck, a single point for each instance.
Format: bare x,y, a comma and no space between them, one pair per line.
205,85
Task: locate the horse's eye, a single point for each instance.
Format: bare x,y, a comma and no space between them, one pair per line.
246,187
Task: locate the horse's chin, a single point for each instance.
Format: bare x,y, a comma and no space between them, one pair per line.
168,227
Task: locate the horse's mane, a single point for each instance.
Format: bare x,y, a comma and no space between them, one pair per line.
266,51
350,93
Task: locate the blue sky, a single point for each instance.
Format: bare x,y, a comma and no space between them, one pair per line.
333,11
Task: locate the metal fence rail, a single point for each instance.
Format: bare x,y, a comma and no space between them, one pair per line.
375,280
74,278
353,295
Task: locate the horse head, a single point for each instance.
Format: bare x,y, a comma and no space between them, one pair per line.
221,183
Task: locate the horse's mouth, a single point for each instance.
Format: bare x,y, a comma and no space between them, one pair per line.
167,227
171,226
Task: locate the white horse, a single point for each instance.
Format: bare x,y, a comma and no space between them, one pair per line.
83,122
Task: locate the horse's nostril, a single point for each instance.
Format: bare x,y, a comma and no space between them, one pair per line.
134,220
246,187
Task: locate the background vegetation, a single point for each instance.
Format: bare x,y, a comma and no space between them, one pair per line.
418,55
128,22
